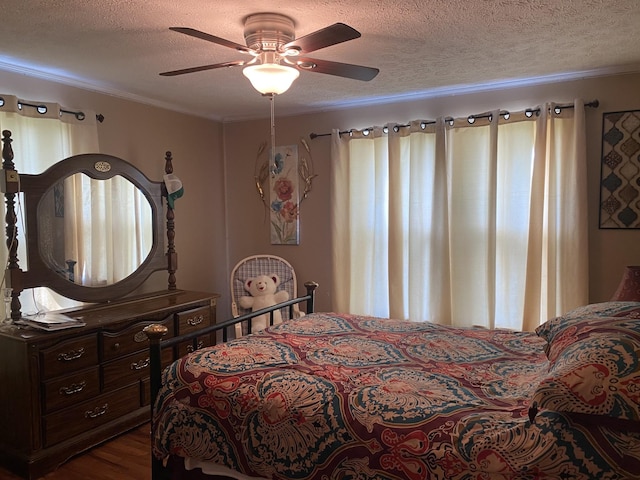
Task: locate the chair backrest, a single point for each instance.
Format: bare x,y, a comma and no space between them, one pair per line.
262,265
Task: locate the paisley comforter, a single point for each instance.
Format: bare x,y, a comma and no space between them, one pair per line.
336,396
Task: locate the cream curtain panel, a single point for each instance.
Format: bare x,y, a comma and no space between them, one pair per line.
461,223
39,141
94,211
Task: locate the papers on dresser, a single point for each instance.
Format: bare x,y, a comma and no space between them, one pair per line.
50,321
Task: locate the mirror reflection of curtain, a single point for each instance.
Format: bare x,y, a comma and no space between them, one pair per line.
463,224
39,141
106,228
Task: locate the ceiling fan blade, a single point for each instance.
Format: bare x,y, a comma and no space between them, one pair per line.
356,72
331,35
202,68
211,38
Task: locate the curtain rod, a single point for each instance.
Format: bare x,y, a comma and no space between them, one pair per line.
42,109
529,112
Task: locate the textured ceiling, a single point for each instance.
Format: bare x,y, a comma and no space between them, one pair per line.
422,48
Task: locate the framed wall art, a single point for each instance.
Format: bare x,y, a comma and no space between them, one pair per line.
284,202
620,170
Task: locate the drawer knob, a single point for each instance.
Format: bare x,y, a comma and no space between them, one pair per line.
73,388
115,346
195,320
97,412
72,355
140,364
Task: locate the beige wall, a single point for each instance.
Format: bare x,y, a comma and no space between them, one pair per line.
610,250
221,219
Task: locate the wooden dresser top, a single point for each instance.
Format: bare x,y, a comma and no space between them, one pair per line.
154,307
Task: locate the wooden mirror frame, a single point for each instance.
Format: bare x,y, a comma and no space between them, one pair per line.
34,187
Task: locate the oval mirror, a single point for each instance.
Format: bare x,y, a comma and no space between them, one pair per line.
94,232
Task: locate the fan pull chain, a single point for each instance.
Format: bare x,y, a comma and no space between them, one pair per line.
274,167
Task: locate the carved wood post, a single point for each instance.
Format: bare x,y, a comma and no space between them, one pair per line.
10,187
172,256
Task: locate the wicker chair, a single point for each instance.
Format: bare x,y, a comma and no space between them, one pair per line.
261,265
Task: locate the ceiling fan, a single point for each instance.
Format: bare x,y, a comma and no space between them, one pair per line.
271,44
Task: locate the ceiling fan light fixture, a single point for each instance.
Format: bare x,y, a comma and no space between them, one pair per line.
271,78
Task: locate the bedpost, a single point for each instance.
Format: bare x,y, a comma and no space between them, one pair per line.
10,186
172,256
311,291
155,333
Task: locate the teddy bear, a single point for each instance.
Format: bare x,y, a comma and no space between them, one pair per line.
263,290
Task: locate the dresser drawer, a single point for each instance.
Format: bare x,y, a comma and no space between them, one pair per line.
130,369
69,356
192,320
130,339
70,389
145,392
82,417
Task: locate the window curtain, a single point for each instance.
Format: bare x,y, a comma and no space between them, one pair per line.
108,230
467,222
42,138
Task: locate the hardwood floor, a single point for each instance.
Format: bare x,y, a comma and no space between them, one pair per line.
127,457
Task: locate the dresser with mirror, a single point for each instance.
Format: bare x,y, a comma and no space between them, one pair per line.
96,230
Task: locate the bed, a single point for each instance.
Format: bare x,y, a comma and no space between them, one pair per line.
340,396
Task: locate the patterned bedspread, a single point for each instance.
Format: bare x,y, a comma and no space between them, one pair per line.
335,396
